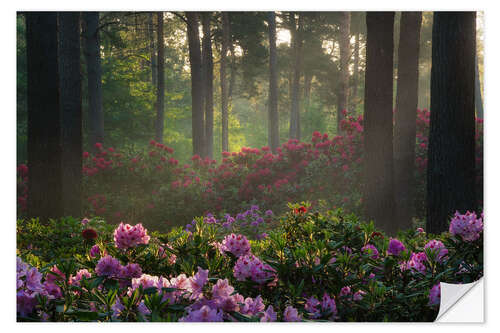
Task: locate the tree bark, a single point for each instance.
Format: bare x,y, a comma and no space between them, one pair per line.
355,75
451,160
226,40
152,50
93,58
71,112
345,55
378,137
479,98
273,129
160,95
193,33
297,72
208,66
406,117
44,117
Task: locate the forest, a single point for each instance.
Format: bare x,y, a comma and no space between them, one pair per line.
215,166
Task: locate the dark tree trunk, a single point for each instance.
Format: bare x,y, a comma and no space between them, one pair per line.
193,33
345,55
297,72
406,117
152,50
479,98
273,129
308,76
71,112
226,40
93,58
160,94
378,161
44,116
355,75
451,162
208,76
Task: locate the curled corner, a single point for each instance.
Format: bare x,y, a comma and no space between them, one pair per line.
461,302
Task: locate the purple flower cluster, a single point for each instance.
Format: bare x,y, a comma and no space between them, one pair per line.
127,236
395,247
236,244
435,295
250,267
327,306
467,226
417,262
28,285
108,266
370,250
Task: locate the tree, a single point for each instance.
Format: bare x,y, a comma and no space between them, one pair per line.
451,160
273,126
226,41
478,97
71,112
208,77
378,193
193,34
345,55
160,95
296,31
406,116
44,117
93,59
152,50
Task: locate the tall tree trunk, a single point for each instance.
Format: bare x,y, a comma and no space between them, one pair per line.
44,116
160,95
93,58
273,129
355,75
479,98
451,161
226,40
71,112
406,117
208,66
297,72
378,161
345,55
193,33
152,50
308,76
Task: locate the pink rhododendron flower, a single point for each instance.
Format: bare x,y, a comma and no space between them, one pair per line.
466,226
197,282
222,288
437,248
94,251
236,244
25,302
291,314
75,280
269,315
417,262
253,306
250,267
127,236
205,314
130,271
328,305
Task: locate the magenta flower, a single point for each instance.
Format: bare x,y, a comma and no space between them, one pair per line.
33,278
417,262
127,236
311,307
108,266
197,282
75,280
252,306
222,289
395,247
131,271
328,305
25,303
250,267
94,251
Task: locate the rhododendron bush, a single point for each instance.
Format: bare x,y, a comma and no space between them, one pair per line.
153,187
300,266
